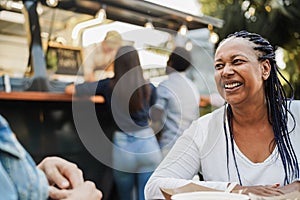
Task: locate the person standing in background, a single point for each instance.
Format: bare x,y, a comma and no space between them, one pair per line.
98,58
177,103
128,95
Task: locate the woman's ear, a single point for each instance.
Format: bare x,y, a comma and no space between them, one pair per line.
266,69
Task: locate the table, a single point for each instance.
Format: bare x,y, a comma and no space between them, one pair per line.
43,123
44,96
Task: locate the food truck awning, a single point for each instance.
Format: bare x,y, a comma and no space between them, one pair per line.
139,12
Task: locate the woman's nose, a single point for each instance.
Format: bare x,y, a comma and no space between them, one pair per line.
227,70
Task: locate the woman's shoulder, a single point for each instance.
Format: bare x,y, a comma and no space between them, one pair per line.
295,105
207,129
104,82
215,115
151,85
295,108
211,122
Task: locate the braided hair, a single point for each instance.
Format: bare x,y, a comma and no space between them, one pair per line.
278,109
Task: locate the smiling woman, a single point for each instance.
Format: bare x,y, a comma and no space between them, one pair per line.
235,73
251,140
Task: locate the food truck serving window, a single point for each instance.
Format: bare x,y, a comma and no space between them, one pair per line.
64,59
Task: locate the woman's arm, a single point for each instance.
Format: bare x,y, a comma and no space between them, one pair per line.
295,186
84,89
180,165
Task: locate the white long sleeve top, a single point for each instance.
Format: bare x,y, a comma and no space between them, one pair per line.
202,148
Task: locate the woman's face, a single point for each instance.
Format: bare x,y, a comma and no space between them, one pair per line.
239,75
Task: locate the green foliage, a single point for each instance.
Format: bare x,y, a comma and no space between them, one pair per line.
276,20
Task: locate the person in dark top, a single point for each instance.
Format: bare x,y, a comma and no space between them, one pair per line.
129,96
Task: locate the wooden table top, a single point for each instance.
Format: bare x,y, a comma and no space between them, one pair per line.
45,96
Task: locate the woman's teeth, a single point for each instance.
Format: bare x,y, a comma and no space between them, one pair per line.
231,85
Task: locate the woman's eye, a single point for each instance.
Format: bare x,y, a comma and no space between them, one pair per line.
237,61
218,66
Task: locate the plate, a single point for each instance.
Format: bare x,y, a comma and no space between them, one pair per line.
209,196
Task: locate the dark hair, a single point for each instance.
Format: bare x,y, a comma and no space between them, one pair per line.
127,59
277,105
180,59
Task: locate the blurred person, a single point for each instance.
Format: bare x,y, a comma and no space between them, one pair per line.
177,103
99,57
128,95
54,177
253,140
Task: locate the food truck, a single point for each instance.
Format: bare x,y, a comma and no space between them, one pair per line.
41,52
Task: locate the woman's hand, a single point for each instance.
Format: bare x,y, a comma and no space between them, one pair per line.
87,190
268,190
68,180
70,89
64,174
